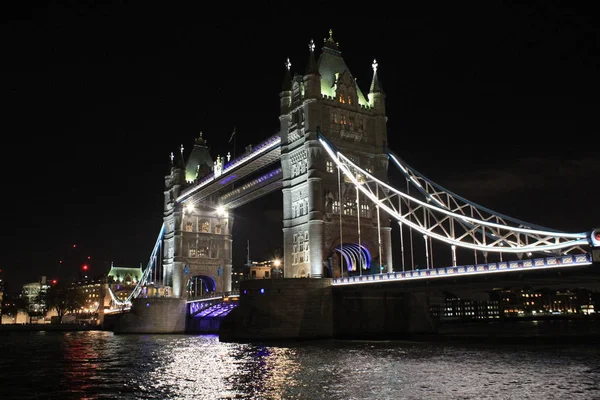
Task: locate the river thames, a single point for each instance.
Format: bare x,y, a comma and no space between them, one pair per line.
102,365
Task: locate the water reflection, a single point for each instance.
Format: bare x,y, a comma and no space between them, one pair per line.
100,365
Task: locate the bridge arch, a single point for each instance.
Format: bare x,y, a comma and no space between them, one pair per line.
199,285
349,257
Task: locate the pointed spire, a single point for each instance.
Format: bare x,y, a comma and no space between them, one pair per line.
375,85
312,62
287,80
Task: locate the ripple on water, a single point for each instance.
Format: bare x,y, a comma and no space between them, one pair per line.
101,365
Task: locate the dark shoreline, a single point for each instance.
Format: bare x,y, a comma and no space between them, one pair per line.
48,328
541,331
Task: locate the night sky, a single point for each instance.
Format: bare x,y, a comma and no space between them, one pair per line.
498,103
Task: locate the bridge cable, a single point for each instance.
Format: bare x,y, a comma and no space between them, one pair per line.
360,264
412,257
401,232
340,205
379,233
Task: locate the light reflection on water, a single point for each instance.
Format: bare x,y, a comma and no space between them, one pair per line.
101,365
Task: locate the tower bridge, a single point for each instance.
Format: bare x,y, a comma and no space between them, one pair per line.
330,160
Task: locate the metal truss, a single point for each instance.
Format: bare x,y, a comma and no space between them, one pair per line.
449,218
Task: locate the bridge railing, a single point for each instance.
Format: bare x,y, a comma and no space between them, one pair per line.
504,266
213,295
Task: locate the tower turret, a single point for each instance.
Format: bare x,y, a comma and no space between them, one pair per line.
312,78
376,93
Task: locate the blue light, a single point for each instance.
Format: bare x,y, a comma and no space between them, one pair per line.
262,291
147,304
245,291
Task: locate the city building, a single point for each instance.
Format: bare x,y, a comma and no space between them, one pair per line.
270,269
121,280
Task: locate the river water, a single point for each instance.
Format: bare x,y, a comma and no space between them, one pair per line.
102,365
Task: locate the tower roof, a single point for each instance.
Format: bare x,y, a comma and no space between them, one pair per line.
331,63
199,162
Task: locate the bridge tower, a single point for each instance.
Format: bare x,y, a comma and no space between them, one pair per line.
197,238
316,203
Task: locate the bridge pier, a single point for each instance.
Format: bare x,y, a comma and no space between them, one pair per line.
291,309
154,315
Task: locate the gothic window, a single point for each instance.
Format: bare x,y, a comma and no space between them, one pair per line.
351,121
350,207
336,207
189,226
192,252
306,236
342,99
364,210
335,117
329,166
349,99
218,229
306,256
205,226
301,208
203,250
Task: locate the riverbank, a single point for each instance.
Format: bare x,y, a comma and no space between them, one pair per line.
48,327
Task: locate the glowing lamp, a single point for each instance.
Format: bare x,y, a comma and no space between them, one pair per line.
221,211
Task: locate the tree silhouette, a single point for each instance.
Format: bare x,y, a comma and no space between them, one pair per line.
64,299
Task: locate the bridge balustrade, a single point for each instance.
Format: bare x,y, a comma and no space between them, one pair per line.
547,262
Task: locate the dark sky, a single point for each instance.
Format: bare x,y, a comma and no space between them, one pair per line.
498,103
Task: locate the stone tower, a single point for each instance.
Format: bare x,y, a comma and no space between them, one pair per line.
197,238
321,232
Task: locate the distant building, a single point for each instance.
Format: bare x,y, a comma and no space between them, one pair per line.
265,269
121,281
33,295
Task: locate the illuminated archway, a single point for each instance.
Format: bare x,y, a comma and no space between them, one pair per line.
353,256
200,285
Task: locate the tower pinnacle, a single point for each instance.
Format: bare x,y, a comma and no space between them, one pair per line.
311,69
330,39
375,85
